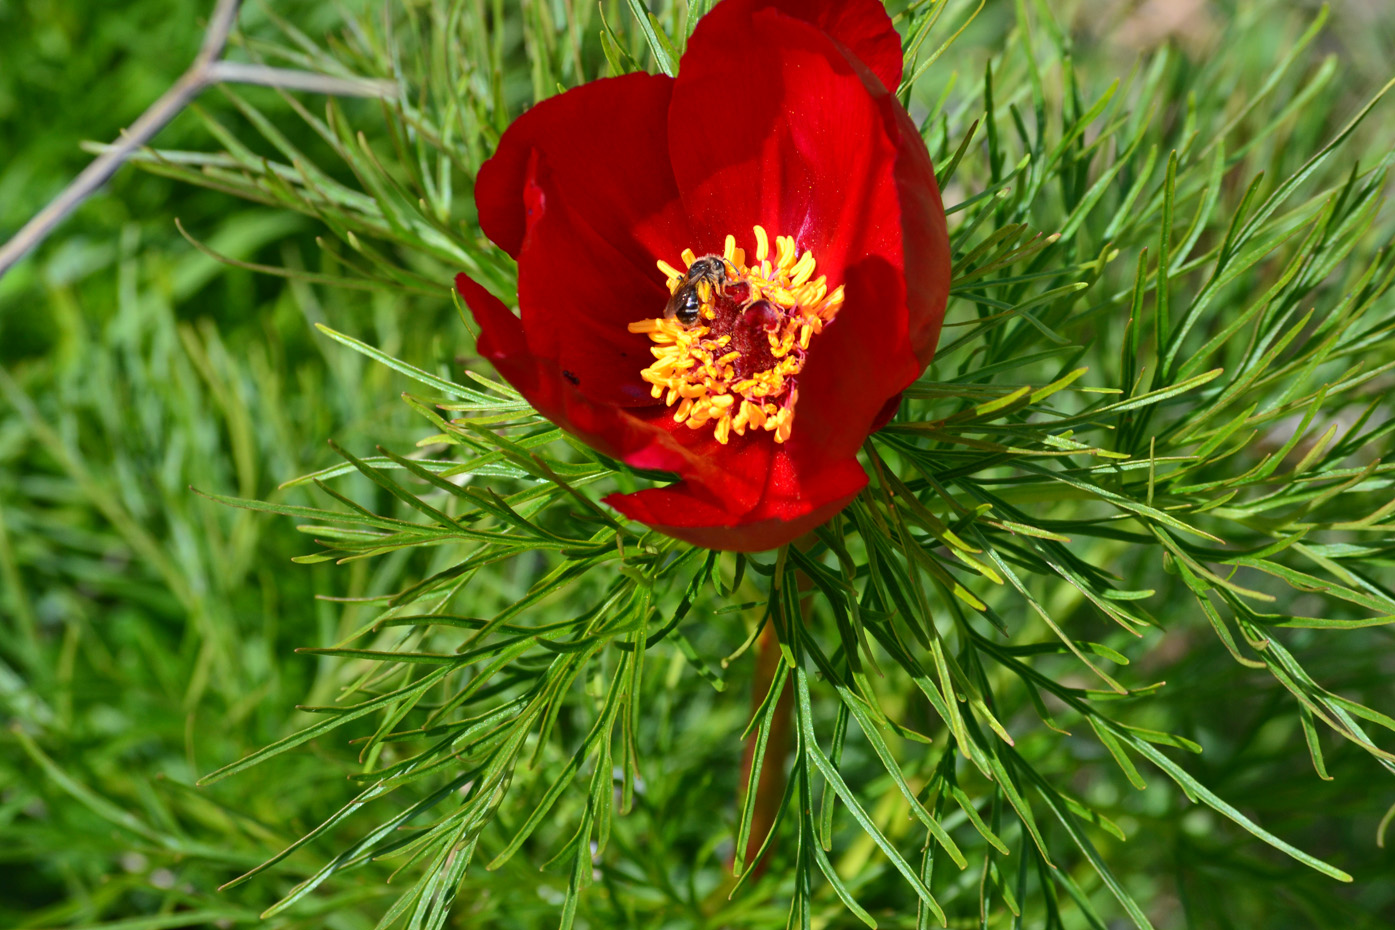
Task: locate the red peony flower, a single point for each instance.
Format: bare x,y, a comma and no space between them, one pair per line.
729,275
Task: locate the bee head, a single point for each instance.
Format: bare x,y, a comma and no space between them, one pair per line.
709,268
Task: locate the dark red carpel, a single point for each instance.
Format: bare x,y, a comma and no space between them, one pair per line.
817,147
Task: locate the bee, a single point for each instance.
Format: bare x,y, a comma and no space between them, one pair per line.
707,275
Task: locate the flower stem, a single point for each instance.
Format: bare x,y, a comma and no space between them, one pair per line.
771,786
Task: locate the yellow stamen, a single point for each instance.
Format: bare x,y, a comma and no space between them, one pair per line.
670,272
695,372
784,252
784,422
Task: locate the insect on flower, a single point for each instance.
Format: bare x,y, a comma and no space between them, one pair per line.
738,308
703,282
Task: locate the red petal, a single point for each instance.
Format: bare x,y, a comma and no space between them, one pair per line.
813,153
860,26
501,339
577,292
612,431
732,477
888,411
788,510
607,153
736,497
800,146
586,219
925,237
920,280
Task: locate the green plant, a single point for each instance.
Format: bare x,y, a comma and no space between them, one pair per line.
1151,447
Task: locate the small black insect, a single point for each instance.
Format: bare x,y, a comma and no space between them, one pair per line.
705,276
571,377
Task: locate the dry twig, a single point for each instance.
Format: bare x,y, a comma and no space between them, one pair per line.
208,69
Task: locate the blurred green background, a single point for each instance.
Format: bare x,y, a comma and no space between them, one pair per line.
147,633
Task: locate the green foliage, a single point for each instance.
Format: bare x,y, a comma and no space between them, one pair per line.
1111,616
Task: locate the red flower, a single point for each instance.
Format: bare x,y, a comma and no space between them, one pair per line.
781,167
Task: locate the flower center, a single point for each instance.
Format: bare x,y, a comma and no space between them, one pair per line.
733,339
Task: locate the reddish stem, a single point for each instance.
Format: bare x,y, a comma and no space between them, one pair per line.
771,786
